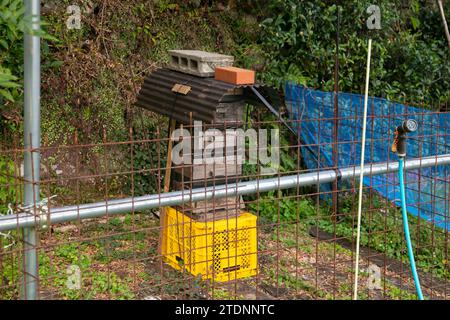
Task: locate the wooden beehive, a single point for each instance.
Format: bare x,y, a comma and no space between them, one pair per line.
218,105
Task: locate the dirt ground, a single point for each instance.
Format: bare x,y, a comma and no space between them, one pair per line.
118,259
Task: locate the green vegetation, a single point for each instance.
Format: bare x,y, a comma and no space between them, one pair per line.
223,294
12,25
91,77
283,208
381,228
410,59
145,155
8,188
396,293
95,283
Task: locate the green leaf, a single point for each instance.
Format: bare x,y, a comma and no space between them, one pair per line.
6,76
6,94
9,85
4,44
415,22
56,64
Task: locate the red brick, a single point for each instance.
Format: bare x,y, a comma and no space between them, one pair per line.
235,75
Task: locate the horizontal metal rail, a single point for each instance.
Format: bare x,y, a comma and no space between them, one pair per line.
120,206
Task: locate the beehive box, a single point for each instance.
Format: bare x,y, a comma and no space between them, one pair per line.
230,114
220,250
204,172
214,209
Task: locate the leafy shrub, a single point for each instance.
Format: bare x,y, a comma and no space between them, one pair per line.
8,189
13,25
410,55
147,155
383,231
286,209
11,47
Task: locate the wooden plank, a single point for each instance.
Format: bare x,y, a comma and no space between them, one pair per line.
181,89
229,203
162,213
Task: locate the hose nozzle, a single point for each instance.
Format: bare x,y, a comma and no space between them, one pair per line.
399,145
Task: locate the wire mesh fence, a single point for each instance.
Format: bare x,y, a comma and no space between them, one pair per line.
295,242
194,188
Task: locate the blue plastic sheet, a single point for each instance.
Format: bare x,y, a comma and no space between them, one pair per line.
311,114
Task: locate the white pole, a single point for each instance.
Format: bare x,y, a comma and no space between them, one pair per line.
361,174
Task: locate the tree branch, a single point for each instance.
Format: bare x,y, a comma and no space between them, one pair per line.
444,21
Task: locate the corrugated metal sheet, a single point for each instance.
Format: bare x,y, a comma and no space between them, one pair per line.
203,99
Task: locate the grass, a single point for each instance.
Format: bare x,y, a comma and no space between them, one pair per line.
94,87
381,229
224,294
117,256
119,263
109,266
396,293
96,283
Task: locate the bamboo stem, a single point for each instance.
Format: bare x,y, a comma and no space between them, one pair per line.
444,21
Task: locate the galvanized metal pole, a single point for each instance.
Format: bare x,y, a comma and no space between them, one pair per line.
32,137
335,147
120,206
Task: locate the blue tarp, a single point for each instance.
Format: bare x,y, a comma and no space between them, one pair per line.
312,115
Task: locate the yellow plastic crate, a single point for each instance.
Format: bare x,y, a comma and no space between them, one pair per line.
221,250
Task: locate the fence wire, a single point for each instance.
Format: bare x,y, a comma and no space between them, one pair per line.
294,243
283,244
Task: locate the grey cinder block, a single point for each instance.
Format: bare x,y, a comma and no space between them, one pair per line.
198,63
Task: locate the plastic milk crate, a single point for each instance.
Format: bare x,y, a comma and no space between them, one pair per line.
221,250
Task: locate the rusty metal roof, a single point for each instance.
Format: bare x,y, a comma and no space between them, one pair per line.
203,99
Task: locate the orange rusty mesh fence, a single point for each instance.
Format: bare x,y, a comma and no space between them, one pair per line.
282,244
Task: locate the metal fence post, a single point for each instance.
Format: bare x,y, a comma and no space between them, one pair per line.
159,200
32,137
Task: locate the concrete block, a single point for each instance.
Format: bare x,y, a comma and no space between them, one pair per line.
198,63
